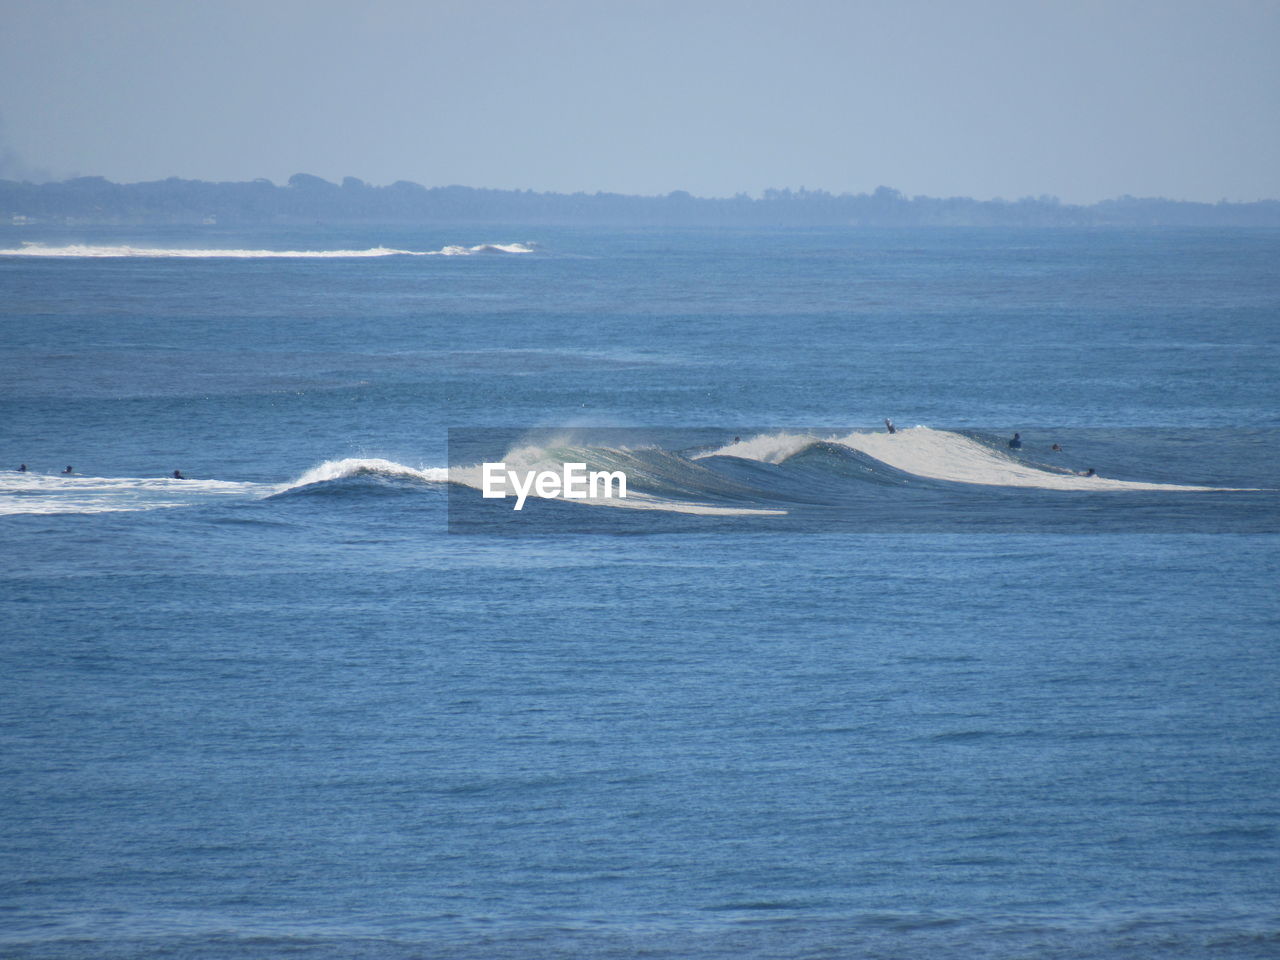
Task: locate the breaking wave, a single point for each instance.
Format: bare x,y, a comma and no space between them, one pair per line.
937,455
769,474
356,468
41,493
778,473
35,249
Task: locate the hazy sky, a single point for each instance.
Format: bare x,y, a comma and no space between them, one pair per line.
1081,99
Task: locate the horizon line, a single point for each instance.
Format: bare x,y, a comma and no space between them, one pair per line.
766,194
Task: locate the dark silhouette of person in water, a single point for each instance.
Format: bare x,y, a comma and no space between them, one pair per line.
1090,473
22,468
888,425
1016,442
68,470
177,475
1056,448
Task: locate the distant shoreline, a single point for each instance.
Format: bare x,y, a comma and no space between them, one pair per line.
309,199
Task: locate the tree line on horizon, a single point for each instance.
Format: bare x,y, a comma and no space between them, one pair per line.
308,199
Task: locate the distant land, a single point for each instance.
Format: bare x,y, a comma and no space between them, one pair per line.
309,199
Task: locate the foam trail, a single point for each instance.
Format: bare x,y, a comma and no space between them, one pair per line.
35,249
34,493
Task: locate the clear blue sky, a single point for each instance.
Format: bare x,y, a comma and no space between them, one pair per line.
1085,99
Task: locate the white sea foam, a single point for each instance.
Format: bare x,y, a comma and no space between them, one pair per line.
35,493
33,249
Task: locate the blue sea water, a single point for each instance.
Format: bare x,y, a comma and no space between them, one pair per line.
891,697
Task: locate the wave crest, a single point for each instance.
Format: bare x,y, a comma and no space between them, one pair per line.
367,467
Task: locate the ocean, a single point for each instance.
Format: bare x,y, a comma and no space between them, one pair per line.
811,690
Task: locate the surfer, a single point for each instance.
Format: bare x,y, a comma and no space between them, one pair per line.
22,468
1056,448
68,470
177,475
888,425
1016,442
1090,473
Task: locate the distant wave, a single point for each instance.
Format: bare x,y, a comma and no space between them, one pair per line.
33,249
